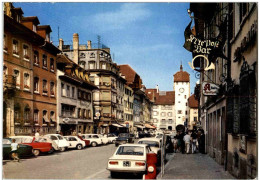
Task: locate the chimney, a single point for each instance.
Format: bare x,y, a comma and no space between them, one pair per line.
75,47
60,44
89,45
157,88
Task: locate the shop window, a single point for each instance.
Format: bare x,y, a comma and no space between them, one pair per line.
36,84
15,48
52,89
26,52
36,57
26,81
44,86
52,64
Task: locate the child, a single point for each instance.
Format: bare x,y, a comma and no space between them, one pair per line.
14,148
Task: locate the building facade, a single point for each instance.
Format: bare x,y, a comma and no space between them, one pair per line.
193,122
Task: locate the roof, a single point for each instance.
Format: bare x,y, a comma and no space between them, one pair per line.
192,102
181,76
31,18
128,72
46,27
159,99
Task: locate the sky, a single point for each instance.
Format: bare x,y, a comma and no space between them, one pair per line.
147,36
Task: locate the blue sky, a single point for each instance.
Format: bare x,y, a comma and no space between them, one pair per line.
147,36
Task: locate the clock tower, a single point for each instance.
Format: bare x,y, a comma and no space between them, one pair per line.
182,93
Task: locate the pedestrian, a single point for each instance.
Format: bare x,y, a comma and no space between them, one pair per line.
186,139
37,135
193,141
14,149
182,144
74,133
175,144
202,141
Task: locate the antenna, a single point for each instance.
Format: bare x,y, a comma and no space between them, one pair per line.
98,38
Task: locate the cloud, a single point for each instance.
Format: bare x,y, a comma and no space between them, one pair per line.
127,14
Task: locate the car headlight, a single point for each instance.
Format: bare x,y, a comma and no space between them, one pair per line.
150,169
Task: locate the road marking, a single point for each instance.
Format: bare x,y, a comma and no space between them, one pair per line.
93,175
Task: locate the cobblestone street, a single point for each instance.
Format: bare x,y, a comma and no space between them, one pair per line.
194,166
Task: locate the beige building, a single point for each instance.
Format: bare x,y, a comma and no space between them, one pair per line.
193,113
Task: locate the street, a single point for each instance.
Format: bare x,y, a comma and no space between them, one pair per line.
89,163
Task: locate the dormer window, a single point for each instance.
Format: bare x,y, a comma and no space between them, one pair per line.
18,18
26,52
47,37
34,28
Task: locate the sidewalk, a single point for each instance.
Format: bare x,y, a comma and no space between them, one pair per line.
193,166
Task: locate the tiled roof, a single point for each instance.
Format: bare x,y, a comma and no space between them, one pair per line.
192,102
47,27
157,98
181,76
31,18
128,72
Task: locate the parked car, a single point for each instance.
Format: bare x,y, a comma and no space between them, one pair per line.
87,142
62,143
38,147
75,142
104,139
112,138
124,138
129,158
23,150
47,139
155,145
93,138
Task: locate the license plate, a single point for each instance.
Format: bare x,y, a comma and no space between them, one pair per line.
126,163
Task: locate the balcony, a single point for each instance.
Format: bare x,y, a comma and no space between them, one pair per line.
9,82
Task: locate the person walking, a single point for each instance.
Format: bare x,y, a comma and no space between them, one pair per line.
181,136
193,141
14,148
175,144
186,139
202,141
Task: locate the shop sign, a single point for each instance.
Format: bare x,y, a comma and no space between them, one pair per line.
69,121
208,49
209,89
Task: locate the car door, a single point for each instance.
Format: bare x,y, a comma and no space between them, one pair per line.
73,141
55,139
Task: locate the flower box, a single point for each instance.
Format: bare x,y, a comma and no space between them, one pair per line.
26,56
36,124
15,52
16,123
27,124
26,86
44,124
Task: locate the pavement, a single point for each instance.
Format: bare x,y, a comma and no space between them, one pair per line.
193,166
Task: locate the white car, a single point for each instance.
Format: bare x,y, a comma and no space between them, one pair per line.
130,158
93,138
155,145
104,139
75,142
112,138
62,143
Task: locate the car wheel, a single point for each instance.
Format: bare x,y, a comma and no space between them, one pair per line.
113,174
79,146
62,149
51,151
93,144
36,152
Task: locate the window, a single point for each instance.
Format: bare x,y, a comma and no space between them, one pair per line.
62,89
185,96
169,114
72,92
79,94
103,66
163,121
17,76
36,116
195,119
179,112
68,91
79,113
67,110
15,47
186,112
45,117
170,121
186,104
44,86
26,114
5,70
91,65
44,61
36,84
52,89
17,112
34,28
243,8
47,37
5,43
36,57
92,79
26,52
52,117
52,64
26,81
92,55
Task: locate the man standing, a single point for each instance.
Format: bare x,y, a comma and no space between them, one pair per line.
186,139
181,137
37,135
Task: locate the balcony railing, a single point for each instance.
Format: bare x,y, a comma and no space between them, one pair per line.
9,81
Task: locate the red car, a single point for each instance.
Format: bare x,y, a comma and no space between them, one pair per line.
38,147
86,141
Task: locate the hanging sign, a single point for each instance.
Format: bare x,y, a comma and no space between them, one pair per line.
209,89
208,49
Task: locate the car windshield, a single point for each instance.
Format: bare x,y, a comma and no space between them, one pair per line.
42,140
60,137
123,135
130,150
7,141
150,143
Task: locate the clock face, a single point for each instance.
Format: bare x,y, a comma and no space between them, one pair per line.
181,90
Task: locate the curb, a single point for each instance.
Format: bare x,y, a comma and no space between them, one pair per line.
165,166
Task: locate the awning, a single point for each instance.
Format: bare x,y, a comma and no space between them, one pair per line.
149,126
139,126
116,125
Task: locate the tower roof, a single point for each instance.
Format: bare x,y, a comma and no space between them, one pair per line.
181,76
